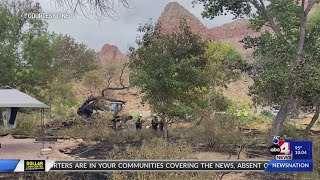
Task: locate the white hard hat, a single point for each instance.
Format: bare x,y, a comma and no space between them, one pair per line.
140,115
154,114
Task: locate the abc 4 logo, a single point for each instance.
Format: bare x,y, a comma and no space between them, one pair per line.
280,147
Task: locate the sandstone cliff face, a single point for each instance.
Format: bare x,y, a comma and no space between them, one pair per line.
170,20
173,14
111,53
230,32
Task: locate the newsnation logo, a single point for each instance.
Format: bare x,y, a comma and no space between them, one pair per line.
281,149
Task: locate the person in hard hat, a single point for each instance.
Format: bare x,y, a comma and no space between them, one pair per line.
154,122
139,122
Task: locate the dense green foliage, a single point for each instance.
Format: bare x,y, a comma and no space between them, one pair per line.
274,73
36,61
286,50
170,69
179,72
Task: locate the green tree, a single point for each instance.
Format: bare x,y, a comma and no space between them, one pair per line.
70,59
14,26
34,60
309,72
284,41
170,70
178,72
275,73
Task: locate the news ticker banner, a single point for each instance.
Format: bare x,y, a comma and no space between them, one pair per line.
155,165
290,156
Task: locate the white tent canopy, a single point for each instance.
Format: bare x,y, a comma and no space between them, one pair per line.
14,98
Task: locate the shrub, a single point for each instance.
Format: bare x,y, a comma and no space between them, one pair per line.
248,118
292,131
267,114
240,108
255,122
94,130
221,132
27,124
63,112
132,135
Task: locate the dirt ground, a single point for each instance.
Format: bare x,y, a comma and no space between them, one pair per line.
30,149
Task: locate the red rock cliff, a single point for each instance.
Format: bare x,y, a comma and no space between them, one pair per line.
111,53
173,14
230,32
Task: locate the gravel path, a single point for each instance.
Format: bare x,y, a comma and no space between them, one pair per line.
30,149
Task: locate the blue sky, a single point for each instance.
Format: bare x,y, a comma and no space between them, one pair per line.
123,31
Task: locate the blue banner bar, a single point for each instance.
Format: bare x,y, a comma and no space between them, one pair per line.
302,149
8,165
290,166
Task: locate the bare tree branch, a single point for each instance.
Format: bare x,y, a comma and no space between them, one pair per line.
111,99
310,5
122,70
92,103
96,98
99,8
120,81
109,81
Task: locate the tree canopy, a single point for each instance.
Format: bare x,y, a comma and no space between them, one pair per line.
178,72
32,56
282,48
169,68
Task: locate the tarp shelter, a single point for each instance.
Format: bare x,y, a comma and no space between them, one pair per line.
14,99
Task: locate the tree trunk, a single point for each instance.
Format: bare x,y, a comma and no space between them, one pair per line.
285,109
313,120
166,132
1,117
255,110
277,123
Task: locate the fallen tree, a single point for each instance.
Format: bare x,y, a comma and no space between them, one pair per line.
92,103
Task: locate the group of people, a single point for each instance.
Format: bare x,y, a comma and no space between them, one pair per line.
121,119
154,123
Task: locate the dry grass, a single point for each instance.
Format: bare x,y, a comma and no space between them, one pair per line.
238,90
261,123
158,149
94,130
132,135
221,133
34,176
27,124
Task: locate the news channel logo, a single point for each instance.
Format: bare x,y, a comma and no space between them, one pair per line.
281,149
34,165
